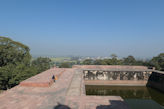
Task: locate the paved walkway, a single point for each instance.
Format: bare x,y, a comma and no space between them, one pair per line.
68,92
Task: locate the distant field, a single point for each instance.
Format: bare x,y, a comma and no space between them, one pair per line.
60,59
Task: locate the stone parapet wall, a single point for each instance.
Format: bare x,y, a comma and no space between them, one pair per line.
110,67
116,75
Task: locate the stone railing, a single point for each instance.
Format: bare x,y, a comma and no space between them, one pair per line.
151,78
116,75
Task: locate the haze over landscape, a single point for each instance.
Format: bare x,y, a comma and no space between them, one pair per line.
81,54
85,28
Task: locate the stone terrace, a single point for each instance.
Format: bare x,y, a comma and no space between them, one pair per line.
43,79
67,91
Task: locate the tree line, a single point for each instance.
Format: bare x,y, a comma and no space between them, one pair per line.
16,63
157,61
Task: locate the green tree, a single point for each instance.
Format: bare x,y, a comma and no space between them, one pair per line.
13,52
114,60
65,65
100,62
88,62
14,59
41,64
113,56
158,61
130,60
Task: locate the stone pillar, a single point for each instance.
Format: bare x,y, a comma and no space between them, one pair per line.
118,77
105,75
144,76
111,75
135,76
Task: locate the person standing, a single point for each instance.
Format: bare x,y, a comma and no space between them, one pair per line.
53,78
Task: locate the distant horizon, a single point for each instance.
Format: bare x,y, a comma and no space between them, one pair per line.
86,27
44,55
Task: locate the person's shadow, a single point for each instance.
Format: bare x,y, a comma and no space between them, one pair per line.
61,106
115,104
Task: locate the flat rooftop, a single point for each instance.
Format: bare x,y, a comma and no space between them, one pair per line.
40,92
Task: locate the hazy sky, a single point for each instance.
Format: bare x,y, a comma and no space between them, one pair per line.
85,27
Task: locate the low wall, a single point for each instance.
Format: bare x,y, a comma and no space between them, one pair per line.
110,67
150,78
156,80
116,75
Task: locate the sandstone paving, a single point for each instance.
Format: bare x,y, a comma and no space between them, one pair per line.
67,92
